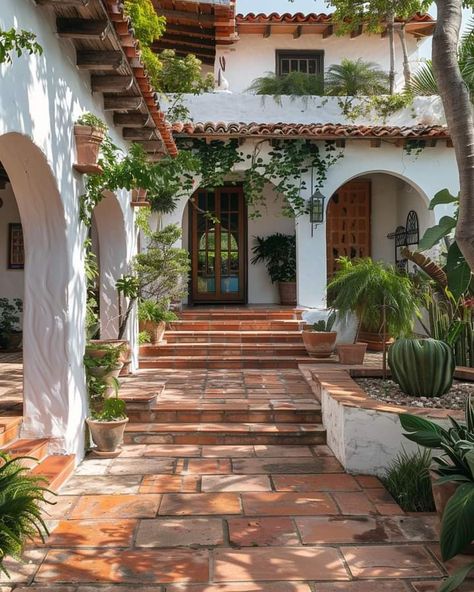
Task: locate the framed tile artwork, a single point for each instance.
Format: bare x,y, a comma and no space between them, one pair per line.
16,249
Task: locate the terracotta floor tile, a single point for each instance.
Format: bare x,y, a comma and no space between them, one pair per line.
367,481
115,566
286,466
92,533
246,587
94,466
142,466
340,529
266,451
170,484
354,503
102,484
390,562
203,466
227,451
22,571
236,483
324,482
167,450
180,532
63,506
278,563
176,504
116,506
251,532
365,586
289,504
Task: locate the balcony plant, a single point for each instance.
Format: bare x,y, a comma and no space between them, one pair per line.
453,483
382,299
105,367
21,504
278,253
152,317
89,132
319,338
10,332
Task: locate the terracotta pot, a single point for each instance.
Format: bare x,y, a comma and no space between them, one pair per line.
107,435
319,344
109,376
139,196
155,330
88,141
351,354
287,292
375,340
441,494
125,357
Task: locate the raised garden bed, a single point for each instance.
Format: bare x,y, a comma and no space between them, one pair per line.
388,391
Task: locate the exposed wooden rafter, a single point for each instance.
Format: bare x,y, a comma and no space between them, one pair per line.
99,60
187,17
298,31
135,133
122,103
328,31
75,28
111,83
77,3
268,31
132,119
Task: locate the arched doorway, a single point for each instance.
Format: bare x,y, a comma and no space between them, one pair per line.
53,403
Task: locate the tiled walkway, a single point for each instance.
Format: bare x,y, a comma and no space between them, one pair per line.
229,518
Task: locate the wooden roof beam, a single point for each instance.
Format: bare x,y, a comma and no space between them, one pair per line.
99,60
139,133
182,15
268,31
78,3
77,28
132,119
190,31
298,32
181,48
328,31
122,103
111,83
181,39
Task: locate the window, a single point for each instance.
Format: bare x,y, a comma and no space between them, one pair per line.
309,62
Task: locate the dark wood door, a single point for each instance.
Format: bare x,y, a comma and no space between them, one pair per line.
348,223
219,246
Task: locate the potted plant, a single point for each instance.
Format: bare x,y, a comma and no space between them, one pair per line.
89,132
104,368
378,295
107,426
319,338
452,481
153,317
10,332
21,504
278,253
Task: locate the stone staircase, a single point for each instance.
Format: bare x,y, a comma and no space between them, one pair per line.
247,386
230,339
55,469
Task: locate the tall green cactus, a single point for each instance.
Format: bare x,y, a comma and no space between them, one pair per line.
422,367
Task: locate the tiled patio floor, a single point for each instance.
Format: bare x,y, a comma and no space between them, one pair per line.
243,518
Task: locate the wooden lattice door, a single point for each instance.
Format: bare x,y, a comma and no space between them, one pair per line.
348,223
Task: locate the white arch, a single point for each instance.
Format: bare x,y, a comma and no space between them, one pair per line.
51,404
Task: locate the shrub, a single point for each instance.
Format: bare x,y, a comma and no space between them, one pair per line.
295,84
278,253
147,24
356,78
408,481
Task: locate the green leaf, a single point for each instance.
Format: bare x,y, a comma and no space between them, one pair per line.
426,439
457,527
453,582
434,234
443,197
469,458
414,423
458,271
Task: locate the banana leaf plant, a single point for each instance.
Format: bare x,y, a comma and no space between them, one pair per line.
455,464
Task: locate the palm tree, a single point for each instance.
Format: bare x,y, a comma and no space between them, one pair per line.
294,84
423,82
356,78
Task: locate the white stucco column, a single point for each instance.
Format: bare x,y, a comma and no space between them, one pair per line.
310,263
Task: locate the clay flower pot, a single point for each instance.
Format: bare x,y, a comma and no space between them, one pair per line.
107,436
155,330
125,355
375,340
287,292
88,142
139,197
351,354
319,344
109,377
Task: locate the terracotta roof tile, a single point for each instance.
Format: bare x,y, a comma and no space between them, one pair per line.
312,17
316,130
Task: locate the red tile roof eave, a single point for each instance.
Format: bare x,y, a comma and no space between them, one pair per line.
299,17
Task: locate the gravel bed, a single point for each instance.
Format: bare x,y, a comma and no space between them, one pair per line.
389,392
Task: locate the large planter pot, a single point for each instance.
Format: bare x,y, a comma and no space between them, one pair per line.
319,344
375,341
287,291
139,197
125,357
442,493
107,436
88,142
154,330
109,377
351,354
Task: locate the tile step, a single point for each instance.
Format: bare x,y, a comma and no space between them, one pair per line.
224,433
223,349
228,362
56,469
36,449
233,337
289,315
9,429
236,325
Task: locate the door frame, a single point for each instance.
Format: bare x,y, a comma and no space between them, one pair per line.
243,235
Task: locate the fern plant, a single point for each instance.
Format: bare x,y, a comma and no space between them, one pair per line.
294,84
356,78
21,498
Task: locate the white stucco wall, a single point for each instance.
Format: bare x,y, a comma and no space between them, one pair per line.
254,55
11,280
40,98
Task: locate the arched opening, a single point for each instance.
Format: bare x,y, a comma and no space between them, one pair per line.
38,271
367,214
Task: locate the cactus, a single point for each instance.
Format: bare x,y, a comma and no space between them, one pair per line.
422,367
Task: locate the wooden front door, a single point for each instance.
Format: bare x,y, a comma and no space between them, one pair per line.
348,223
219,246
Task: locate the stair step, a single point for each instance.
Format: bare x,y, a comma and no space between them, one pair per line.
236,325
223,315
233,337
175,413
36,449
138,395
9,429
56,469
224,433
224,349
228,362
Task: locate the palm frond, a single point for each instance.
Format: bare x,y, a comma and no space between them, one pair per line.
356,78
293,84
423,81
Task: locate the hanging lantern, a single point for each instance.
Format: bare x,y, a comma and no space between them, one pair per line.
316,208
